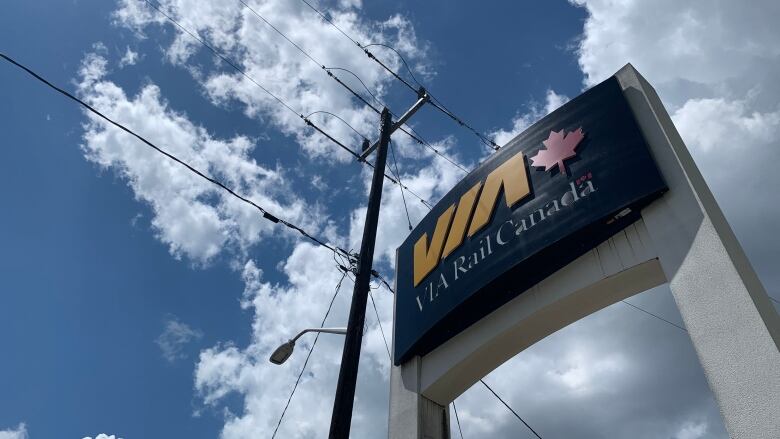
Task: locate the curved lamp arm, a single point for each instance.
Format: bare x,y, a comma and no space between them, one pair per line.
323,330
283,352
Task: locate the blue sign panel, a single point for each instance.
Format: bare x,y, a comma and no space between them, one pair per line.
554,192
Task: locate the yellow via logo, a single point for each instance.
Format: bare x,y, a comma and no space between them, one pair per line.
451,224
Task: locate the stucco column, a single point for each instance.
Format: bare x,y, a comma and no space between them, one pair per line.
732,324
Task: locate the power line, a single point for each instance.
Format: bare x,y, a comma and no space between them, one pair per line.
408,69
328,70
485,139
379,321
314,60
398,176
654,315
435,102
281,33
377,275
278,99
406,188
324,17
457,419
266,214
339,118
382,279
388,69
437,152
359,80
311,349
453,402
217,53
510,408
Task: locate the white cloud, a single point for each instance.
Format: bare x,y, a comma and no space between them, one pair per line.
129,58
197,222
430,183
588,367
190,215
174,337
522,121
714,65
712,124
285,72
20,432
280,311
103,436
692,430
581,370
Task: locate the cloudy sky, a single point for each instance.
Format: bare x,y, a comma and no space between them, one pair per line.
140,302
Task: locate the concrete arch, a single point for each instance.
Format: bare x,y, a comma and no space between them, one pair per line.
682,239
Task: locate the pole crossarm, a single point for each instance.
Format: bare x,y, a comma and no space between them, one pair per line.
422,99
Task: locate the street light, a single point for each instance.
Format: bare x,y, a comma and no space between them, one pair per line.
283,352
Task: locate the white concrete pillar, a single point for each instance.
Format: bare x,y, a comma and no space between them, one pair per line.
413,416
732,324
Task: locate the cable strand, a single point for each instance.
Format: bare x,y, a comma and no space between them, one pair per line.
373,96
278,99
403,60
324,17
379,321
337,117
266,214
280,32
400,186
457,419
654,315
311,349
218,54
510,408
438,104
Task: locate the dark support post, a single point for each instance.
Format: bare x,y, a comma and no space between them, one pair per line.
345,389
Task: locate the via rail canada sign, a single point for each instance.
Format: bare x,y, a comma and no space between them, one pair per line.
551,194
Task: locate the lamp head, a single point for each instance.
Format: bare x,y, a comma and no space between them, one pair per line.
283,352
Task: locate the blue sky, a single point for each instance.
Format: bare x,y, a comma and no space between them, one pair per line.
96,262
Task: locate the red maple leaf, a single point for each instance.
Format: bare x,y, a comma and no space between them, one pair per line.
559,148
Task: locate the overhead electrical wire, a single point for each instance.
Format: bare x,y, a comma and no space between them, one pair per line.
311,349
382,279
278,99
411,74
437,152
510,408
339,118
379,322
434,101
654,315
453,403
398,176
457,419
370,93
266,214
328,70
324,17
273,218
